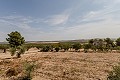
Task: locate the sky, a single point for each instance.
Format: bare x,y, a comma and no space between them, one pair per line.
47,20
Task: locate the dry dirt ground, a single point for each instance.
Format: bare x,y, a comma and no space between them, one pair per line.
63,65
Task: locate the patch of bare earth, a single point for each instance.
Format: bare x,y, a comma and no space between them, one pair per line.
65,65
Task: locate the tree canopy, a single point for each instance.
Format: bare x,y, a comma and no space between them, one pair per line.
15,39
118,42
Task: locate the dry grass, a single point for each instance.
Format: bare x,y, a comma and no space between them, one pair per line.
65,65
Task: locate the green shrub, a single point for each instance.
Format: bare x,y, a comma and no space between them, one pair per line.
18,51
46,48
118,42
21,50
115,74
76,46
86,47
27,46
65,46
28,67
12,51
4,47
57,49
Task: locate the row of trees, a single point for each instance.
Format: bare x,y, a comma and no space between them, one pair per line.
103,45
17,45
94,45
54,47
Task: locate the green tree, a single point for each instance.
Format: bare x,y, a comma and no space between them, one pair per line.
108,41
96,44
86,47
65,46
46,48
100,45
76,46
109,44
15,39
16,42
91,41
118,42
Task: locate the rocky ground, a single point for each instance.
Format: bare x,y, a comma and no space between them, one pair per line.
60,65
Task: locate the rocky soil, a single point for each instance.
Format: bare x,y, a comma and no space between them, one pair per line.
60,65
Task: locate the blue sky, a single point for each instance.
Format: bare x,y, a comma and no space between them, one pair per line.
39,20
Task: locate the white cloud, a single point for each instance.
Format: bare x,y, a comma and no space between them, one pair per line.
102,14
108,28
57,19
16,21
13,23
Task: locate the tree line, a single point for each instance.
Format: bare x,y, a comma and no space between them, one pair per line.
18,46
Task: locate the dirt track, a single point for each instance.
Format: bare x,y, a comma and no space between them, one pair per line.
70,65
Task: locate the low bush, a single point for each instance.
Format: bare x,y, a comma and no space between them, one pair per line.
28,67
57,49
46,48
115,74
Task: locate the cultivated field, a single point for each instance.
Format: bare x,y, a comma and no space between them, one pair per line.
61,65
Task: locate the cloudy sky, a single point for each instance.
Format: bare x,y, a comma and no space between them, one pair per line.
60,19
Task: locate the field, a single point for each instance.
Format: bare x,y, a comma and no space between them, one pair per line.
62,65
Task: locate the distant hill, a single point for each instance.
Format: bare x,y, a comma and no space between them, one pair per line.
81,40
40,42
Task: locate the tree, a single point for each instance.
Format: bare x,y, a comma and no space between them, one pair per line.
46,48
100,45
16,42
118,42
86,47
109,44
108,41
91,41
15,39
65,46
76,46
96,44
